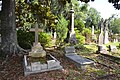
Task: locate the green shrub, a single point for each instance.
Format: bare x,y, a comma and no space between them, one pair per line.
114,36
82,48
79,46
45,39
87,33
79,37
25,38
61,29
118,46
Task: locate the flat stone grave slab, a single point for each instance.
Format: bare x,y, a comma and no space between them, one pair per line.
79,60
31,67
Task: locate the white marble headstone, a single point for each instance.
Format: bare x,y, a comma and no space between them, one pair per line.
106,37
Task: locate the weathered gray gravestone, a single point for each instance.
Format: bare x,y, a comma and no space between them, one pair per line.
70,49
36,30
37,50
37,60
77,59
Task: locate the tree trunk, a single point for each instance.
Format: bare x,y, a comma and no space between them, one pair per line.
9,43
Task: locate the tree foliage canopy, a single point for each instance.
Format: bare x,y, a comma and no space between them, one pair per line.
115,26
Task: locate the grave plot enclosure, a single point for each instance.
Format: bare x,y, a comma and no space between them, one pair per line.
38,60
37,65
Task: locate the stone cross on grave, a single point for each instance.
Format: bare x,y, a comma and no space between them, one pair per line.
36,30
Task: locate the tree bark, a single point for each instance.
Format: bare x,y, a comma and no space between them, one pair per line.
9,43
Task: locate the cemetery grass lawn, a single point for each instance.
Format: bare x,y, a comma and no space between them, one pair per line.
87,50
117,54
92,48
117,44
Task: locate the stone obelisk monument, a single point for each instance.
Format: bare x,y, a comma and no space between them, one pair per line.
100,38
72,32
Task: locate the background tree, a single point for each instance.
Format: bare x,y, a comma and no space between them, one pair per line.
27,13
79,36
93,18
30,12
80,15
115,26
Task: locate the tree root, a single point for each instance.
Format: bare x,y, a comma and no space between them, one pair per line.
9,50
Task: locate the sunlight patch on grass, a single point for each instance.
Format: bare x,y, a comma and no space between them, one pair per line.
115,44
92,47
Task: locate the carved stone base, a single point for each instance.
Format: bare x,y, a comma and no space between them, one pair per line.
37,51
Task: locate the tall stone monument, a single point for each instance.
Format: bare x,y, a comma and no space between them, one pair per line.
92,30
100,38
55,35
94,39
72,32
72,22
106,37
93,35
106,32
